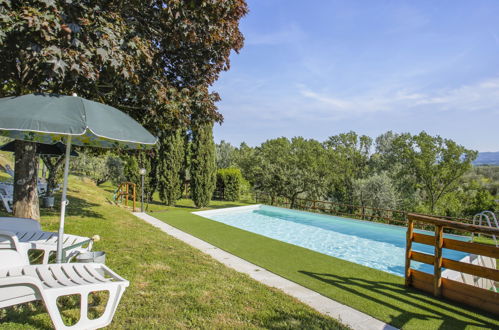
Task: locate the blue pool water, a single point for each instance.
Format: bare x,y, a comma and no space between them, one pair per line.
370,244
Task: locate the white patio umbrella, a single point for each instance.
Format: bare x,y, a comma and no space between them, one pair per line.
52,118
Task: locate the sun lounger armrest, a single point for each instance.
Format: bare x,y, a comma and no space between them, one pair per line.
17,251
21,279
11,236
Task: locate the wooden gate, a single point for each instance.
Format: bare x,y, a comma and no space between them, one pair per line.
127,191
451,289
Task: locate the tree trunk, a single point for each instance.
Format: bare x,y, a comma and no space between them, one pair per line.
53,168
25,181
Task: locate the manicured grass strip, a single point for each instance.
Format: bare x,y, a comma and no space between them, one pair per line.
171,284
371,291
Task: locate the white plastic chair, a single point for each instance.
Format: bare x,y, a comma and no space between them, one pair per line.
7,195
31,237
21,282
6,201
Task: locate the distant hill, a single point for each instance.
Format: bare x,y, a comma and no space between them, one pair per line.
487,158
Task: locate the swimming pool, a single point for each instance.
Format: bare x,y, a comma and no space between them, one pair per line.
371,244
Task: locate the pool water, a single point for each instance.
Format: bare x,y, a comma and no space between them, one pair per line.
371,244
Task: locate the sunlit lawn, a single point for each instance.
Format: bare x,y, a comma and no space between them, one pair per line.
374,292
172,284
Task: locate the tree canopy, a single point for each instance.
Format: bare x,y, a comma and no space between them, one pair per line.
154,60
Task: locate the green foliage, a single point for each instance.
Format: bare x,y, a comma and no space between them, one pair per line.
436,163
202,169
412,173
98,167
55,172
152,59
348,158
281,167
483,201
224,154
155,60
375,191
170,158
141,160
229,184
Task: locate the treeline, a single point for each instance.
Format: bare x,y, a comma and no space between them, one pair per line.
418,173
183,162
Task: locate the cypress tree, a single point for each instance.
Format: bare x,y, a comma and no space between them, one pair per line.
170,163
203,168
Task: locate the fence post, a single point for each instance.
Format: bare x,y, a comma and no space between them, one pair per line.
134,195
126,196
408,252
437,265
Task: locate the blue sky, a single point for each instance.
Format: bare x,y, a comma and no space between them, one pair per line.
319,68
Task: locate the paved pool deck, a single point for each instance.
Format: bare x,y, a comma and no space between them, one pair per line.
347,315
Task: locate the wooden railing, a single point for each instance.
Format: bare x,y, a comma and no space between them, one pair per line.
127,191
464,293
356,211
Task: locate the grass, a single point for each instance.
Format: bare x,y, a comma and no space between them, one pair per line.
374,292
172,284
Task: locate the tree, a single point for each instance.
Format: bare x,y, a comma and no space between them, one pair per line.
348,156
170,160
54,167
376,191
203,166
152,59
26,203
224,154
436,163
290,168
386,159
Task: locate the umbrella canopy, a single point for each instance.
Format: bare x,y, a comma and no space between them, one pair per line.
57,149
51,118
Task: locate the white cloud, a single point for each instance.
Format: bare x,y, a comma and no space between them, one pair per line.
483,95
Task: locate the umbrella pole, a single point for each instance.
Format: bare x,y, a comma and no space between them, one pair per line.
64,202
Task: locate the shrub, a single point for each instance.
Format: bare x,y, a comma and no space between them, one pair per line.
229,182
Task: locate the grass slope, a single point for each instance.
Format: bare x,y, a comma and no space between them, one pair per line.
172,284
374,292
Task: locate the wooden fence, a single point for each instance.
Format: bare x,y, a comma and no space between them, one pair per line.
356,211
127,191
437,285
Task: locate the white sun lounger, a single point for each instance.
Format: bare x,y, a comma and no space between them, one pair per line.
31,236
6,201
6,195
21,282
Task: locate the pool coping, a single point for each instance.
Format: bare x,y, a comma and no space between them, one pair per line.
324,305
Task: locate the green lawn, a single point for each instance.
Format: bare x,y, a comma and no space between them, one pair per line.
374,292
172,284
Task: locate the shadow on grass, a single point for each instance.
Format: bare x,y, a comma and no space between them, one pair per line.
285,320
76,207
396,292
25,314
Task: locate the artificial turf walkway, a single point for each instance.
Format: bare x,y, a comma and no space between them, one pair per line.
379,294
171,284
